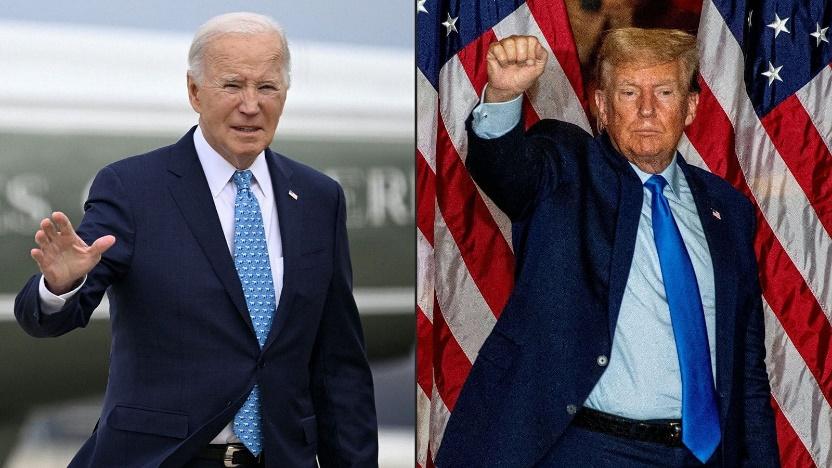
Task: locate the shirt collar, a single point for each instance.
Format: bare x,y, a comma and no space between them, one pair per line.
671,174
218,171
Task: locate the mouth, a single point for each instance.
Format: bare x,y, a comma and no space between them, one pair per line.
247,130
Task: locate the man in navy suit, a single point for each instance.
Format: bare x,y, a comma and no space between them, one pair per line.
235,337
634,335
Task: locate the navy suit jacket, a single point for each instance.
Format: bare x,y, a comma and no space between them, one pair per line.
575,203
184,355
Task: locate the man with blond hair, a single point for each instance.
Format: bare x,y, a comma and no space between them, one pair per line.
634,335
235,337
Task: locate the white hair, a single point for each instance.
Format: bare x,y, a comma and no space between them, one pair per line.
235,23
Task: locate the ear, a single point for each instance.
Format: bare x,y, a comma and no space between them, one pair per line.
601,104
693,103
193,93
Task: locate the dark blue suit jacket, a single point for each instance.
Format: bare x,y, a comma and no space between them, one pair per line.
575,202
184,355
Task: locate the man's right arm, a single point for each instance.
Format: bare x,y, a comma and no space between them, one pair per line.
509,166
77,266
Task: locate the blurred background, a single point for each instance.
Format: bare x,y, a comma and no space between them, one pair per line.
88,82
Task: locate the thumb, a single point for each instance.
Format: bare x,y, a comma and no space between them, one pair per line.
540,53
102,244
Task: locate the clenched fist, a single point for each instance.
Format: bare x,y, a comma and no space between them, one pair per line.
514,64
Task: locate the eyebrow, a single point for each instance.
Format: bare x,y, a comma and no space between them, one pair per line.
661,83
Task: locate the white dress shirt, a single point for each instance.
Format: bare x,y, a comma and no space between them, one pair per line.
218,173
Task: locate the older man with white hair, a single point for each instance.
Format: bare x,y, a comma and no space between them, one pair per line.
236,339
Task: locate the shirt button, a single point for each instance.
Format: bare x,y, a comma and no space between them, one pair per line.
602,360
571,409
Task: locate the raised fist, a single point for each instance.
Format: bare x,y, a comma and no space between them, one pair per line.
514,64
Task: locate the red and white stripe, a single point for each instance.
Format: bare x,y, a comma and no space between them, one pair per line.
466,264
782,163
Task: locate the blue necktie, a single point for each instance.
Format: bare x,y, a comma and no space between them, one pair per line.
251,257
700,420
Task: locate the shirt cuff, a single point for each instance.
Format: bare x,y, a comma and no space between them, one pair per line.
51,303
495,119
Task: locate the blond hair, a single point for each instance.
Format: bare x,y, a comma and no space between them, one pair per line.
648,47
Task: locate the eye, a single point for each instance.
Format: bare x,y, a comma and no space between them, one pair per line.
231,86
268,88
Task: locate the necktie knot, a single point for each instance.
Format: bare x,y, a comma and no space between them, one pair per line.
656,184
242,179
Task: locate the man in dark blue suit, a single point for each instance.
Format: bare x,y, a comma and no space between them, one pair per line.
235,337
634,335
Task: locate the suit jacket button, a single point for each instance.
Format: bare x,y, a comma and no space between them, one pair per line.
602,360
261,363
571,409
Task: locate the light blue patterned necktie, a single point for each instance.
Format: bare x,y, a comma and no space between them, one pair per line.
700,419
251,257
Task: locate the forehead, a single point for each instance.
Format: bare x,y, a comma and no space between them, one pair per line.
647,74
237,53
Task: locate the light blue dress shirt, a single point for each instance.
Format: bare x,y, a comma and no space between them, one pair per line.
642,379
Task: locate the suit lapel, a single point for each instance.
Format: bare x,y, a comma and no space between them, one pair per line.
725,279
289,216
629,210
190,190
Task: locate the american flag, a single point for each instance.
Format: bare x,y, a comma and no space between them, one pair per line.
764,124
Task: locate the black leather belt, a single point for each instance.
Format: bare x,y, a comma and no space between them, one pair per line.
231,455
667,432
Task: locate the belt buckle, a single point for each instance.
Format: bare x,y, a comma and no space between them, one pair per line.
675,433
228,458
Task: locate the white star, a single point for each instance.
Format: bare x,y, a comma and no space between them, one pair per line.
779,25
450,25
819,34
772,73
420,6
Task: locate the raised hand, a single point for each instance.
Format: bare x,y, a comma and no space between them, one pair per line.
514,64
63,257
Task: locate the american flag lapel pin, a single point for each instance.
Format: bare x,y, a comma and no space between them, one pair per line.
293,195
716,214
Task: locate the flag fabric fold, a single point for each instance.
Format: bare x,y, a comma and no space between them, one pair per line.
764,124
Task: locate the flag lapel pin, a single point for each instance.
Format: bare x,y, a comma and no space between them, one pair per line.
716,214
293,195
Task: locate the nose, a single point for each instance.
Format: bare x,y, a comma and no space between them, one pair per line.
647,105
249,102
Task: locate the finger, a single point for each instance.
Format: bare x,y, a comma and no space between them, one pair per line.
540,53
521,46
42,239
498,53
510,46
62,222
48,229
37,256
102,244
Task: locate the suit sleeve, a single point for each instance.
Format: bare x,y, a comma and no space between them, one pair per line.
760,442
342,386
517,167
105,212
